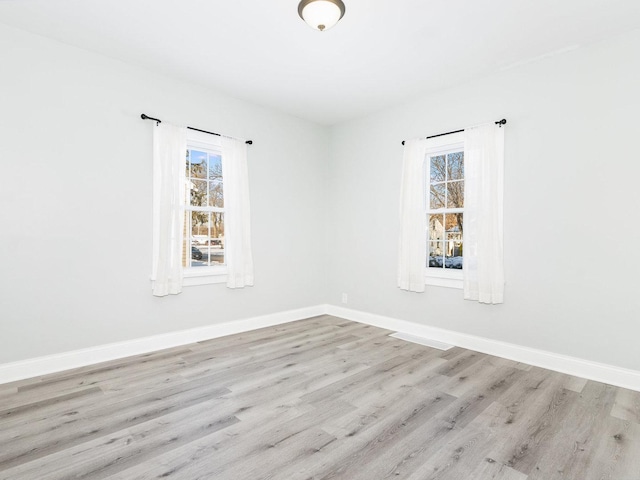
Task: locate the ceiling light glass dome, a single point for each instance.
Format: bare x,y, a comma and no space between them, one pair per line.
321,14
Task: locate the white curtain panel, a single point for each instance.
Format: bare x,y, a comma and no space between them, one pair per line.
169,154
483,214
237,213
412,251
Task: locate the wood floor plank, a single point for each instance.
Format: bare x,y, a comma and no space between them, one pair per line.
173,463
294,353
285,331
530,427
127,446
406,456
575,384
364,433
491,470
627,405
457,458
322,398
457,364
357,382
20,447
615,453
573,440
7,391
14,408
232,450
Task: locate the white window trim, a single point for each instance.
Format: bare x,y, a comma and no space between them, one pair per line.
193,276
441,281
442,277
204,276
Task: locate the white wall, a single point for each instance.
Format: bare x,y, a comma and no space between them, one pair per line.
75,196
571,222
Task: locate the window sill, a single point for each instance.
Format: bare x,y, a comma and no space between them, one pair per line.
204,276
454,280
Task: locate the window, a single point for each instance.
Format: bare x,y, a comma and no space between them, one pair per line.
204,238
444,199
201,221
451,213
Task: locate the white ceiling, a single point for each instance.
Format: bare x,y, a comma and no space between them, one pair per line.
381,53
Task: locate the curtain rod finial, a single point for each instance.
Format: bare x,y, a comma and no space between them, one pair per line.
147,117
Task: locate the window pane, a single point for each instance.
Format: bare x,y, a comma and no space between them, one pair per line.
216,240
207,239
455,166
198,196
197,256
199,227
453,240
436,227
216,197
453,223
438,169
453,250
199,232
215,167
198,164
435,237
217,225
434,255
455,194
437,197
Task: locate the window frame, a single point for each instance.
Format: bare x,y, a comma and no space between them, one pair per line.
210,274
441,277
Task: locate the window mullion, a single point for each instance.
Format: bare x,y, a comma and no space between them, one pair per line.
445,210
205,209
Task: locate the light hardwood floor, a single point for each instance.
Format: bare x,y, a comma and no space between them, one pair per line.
322,398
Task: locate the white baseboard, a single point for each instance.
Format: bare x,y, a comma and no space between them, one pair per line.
600,372
38,366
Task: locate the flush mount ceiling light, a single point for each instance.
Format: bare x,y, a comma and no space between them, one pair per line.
321,14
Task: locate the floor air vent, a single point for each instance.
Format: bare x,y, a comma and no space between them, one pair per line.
421,340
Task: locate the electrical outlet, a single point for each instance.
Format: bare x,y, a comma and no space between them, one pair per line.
345,298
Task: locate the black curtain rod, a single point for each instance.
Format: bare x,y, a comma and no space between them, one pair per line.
147,117
499,123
